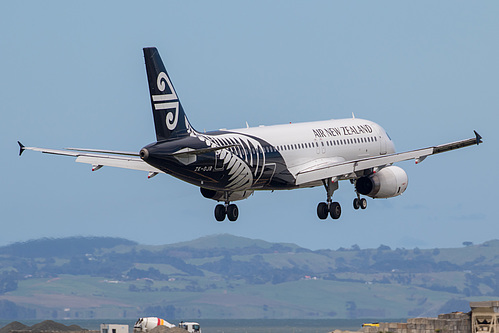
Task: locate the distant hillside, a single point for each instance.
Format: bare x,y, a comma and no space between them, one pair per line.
225,276
62,247
228,241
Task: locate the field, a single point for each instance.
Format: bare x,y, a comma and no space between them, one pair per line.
230,277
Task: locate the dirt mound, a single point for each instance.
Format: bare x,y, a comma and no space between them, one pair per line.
49,325
44,326
14,326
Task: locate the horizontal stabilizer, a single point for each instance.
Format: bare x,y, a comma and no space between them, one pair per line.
189,151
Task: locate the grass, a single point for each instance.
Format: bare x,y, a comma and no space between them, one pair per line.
296,299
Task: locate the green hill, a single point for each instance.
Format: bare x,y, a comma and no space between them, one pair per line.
225,276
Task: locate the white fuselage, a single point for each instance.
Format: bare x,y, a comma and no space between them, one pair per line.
312,143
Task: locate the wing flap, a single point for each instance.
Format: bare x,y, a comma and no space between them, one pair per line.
102,151
125,163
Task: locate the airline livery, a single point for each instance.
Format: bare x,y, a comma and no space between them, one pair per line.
229,165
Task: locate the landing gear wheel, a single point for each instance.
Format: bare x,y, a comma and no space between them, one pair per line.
363,203
335,210
220,213
232,212
322,210
356,203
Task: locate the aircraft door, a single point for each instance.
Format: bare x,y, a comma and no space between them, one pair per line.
318,146
219,162
382,141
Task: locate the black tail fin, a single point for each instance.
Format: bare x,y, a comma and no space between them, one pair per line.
169,117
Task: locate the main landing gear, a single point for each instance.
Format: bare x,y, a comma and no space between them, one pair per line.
333,208
329,208
359,203
227,209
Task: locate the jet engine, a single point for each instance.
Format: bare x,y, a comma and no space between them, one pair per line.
219,195
387,183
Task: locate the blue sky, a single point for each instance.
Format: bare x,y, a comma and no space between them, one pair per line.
72,75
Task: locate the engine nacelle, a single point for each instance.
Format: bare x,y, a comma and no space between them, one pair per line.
387,183
219,195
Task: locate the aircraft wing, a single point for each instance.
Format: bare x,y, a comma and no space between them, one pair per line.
112,158
340,169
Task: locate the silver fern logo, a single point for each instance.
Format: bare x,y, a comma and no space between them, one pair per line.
166,101
245,161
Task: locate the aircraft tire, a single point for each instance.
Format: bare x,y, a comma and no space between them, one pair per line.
363,203
335,210
232,212
356,203
322,210
220,212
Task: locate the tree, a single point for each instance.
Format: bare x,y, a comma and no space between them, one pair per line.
384,248
351,309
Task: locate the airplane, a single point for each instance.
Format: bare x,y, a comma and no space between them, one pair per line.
229,165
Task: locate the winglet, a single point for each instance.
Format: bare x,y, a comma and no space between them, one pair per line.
478,138
21,148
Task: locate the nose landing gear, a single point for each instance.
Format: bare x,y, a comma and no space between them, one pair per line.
359,203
